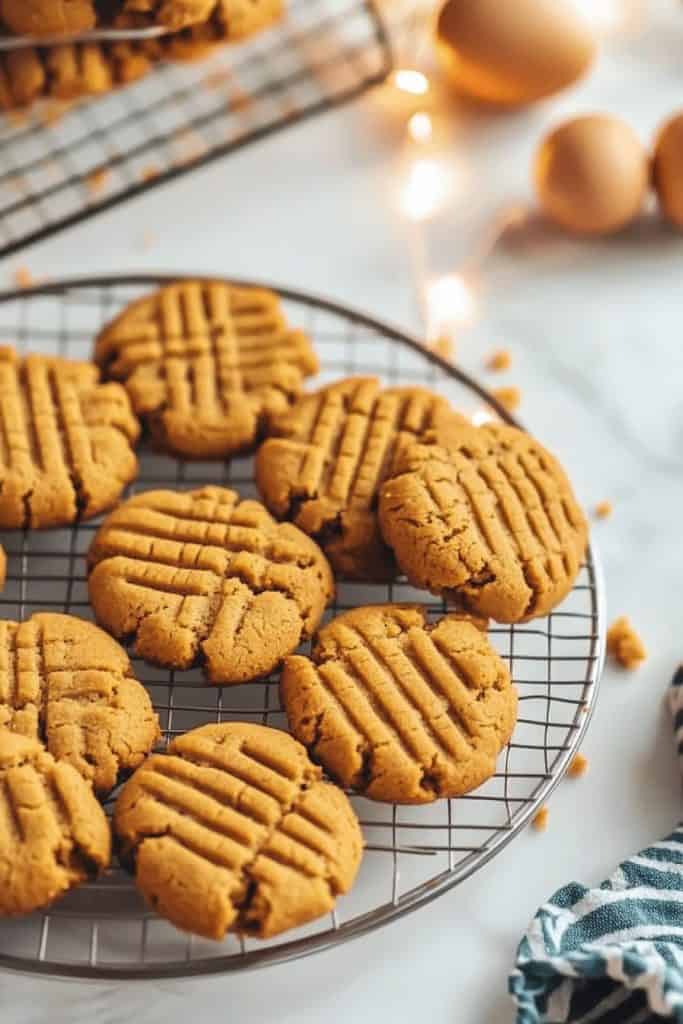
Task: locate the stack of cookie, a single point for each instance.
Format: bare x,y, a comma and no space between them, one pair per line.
232,828
69,70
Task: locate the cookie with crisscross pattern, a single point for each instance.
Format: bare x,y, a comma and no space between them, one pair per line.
65,682
53,832
486,516
325,460
400,709
205,363
203,577
233,830
65,441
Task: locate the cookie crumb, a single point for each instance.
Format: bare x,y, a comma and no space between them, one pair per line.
150,173
578,767
443,346
603,509
624,643
499,360
540,819
53,113
23,278
509,397
97,180
148,240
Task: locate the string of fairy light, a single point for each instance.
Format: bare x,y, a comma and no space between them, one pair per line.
427,183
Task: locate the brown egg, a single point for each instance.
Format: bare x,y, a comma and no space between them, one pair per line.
513,52
667,169
591,174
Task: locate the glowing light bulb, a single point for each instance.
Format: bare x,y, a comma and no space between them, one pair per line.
450,302
411,81
420,127
425,189
482,416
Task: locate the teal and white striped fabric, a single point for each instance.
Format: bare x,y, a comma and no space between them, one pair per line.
611,955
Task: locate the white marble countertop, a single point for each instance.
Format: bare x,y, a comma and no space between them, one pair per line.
595,334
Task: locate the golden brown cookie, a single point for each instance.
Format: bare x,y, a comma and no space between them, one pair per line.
233,830
236,18
398,709
202,576
72,70
326,459
204,362
53,832
66,450
65,682
174,14
47,17
488,519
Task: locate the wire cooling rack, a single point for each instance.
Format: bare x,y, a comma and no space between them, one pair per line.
413,854
54,173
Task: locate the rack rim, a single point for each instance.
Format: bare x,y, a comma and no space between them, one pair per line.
436,886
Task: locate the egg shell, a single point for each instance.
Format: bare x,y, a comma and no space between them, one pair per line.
591,174
513,52
667,169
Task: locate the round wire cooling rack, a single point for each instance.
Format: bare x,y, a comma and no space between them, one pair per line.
413,854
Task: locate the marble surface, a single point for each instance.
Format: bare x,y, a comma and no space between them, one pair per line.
595,334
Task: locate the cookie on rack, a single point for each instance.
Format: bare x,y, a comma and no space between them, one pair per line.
204,363
66,683
72,70
399,709
47,17
236,18
487,517
67,452
233,830
203,577
55,834
325,459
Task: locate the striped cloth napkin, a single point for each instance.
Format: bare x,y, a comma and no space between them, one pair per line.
612,955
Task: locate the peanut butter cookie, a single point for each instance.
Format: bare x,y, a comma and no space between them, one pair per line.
65,682
488,518
398,709
203,576
47,17
66,450
233,830
236,18
53,832
204,362
72,70
326,458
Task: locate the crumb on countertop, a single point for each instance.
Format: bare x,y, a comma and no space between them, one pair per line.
53,112
603,509
578,766
22,277
509,397
148,239
624,643
540,819
499,360
97,180
444,347
150,173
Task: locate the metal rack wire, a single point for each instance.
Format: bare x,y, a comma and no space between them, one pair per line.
56,172
413,854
